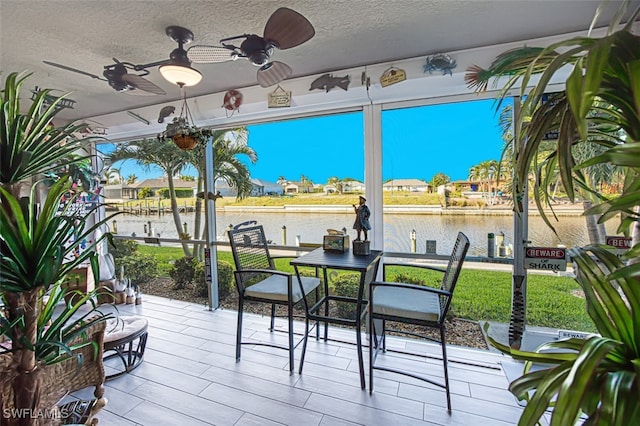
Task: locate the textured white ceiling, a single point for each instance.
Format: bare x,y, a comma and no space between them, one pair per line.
86,34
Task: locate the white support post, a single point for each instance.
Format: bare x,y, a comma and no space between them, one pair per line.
373,172
210,223
373,182
517,324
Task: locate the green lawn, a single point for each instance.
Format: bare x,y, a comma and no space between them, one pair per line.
165,256
389,198
480,295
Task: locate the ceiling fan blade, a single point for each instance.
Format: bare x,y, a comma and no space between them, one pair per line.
273,73
64,67
287,28
210,54
142,84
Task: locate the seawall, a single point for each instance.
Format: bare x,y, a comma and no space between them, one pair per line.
563,210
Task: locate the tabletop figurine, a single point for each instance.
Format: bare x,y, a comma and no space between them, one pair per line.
362,218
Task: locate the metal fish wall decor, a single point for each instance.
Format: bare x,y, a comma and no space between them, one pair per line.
328,82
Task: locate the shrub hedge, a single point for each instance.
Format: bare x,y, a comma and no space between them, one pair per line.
552,301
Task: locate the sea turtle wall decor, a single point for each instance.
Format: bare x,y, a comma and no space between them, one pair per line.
440,62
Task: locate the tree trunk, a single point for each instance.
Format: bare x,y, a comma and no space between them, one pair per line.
197,248
592,224
26,382
602,231
176,215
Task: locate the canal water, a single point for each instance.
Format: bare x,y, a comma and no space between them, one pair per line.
311,227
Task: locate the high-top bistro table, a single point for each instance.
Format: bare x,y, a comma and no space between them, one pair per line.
367,266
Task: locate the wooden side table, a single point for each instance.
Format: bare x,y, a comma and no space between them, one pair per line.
125,338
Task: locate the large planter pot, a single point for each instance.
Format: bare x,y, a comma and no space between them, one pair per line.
44,386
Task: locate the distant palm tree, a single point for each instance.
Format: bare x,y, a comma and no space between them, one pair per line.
132,179
336,182
304,183
484,172
163,154
229,146
282,181
112,175
595,176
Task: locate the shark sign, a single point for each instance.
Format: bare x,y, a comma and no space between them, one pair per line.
546,258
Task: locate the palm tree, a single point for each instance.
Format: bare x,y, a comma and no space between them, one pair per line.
597,175
304,182
112,175
164,154
282,181
486,173
131,179
598,377
229,146
600,109
337,183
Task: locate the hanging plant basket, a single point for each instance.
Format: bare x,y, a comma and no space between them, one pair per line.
185,142
184,135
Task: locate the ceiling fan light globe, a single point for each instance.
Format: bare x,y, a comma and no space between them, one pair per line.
181,75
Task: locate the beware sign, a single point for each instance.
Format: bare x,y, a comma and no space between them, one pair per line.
570,334
620,244
546,258
207,265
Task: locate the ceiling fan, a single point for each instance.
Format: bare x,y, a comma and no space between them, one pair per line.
177,69
285,29
119,78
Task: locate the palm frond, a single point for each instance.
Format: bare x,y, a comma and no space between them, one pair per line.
510,63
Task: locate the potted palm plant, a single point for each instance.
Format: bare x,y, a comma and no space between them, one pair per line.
39,246
596,378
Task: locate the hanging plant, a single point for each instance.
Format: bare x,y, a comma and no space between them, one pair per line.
184,135
182,132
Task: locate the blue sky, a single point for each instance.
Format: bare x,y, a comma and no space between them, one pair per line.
417,143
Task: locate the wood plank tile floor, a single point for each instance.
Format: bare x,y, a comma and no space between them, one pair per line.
190,377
